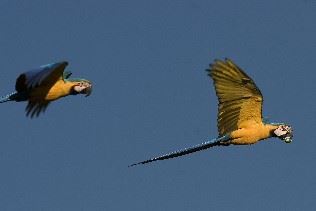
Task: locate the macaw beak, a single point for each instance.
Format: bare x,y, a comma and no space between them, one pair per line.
287,139
285,133
87,90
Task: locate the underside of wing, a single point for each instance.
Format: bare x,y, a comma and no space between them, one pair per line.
33,109
46,75
240,100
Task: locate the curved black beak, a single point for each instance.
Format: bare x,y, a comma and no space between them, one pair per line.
88,91
287,139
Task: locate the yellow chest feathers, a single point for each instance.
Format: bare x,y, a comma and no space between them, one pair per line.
50,93
252,134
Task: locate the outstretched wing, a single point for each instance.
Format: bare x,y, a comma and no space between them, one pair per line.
35,108
45,75
240,100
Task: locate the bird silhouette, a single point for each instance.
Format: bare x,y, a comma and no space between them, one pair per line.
239,118
45,84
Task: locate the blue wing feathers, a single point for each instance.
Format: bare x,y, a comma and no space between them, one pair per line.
46,75
38,76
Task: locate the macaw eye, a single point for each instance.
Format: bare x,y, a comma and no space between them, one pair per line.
287,128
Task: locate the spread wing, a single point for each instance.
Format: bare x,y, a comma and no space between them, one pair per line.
35,108
45,75
240,100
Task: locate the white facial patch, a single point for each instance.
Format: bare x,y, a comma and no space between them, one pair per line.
279,132
79,88
282,130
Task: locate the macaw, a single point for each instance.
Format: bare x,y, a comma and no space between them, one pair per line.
45,84
239,118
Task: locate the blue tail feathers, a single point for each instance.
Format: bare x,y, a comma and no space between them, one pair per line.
14,96
224,140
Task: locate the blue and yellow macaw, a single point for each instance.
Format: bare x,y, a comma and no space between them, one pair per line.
239,118
45,84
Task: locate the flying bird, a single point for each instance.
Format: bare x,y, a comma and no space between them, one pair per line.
45,84
239,118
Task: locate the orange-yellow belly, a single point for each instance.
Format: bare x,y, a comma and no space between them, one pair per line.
251,134
51,93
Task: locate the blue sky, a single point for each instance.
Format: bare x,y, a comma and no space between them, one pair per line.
151,95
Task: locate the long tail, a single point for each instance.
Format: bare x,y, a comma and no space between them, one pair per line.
8,97
224,140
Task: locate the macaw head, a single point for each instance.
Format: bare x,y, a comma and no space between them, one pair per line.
284,132
82,86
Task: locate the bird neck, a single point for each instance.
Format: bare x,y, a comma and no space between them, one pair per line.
271,128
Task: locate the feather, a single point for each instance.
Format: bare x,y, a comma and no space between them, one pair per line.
45,75
35,108
14,96
216,142
67,74
240,100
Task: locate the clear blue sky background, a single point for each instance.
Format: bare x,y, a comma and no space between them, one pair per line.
151,96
